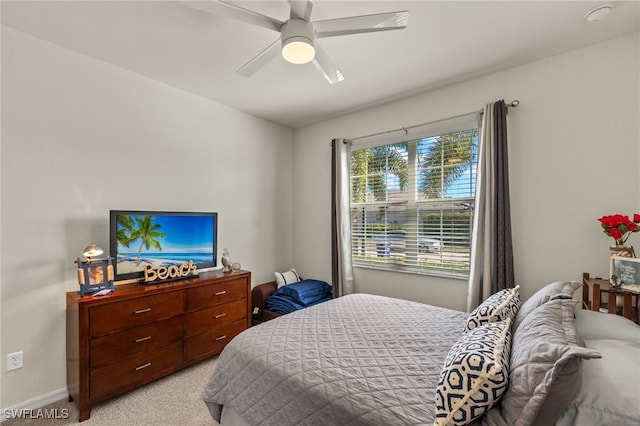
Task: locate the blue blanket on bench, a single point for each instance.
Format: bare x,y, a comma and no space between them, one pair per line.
302,294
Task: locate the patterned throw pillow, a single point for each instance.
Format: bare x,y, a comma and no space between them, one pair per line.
289,277
498,307
475,374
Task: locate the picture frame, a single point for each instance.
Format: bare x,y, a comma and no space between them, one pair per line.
95,275
626,269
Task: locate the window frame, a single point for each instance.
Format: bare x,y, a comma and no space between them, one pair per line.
413,204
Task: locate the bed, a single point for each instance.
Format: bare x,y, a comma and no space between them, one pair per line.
373,360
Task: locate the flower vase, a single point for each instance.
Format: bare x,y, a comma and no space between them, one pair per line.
622,250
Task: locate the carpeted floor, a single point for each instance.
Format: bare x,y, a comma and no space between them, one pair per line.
173,400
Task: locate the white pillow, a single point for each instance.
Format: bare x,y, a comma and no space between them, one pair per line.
289,277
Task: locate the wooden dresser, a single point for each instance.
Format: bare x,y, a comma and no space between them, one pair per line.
140,333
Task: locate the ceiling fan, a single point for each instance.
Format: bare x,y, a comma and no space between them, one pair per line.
297,41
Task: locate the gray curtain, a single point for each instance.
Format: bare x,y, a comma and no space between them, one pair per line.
491,267
341,261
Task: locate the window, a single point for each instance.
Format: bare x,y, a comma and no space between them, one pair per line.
412,203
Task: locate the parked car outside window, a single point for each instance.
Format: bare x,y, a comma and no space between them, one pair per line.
395,241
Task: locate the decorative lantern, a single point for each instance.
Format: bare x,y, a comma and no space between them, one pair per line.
95,275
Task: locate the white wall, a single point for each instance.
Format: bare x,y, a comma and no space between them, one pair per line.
80,137
574,151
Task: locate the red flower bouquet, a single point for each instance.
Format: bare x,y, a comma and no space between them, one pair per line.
620,227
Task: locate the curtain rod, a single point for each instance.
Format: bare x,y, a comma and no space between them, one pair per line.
513,104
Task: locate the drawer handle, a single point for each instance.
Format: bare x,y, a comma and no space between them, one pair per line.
221,338
224,314
143,366
220,293
142,311
142,339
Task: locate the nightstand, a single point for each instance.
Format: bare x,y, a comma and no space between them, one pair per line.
599,295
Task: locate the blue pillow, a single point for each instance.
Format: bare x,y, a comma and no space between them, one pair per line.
305,292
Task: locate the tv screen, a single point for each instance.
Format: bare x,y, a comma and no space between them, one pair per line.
137,238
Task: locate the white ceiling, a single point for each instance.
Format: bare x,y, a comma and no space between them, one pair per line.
444,42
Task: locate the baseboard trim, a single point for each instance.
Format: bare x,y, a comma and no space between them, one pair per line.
35,403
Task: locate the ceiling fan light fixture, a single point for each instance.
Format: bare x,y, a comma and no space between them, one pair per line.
298,50
298,38
298,34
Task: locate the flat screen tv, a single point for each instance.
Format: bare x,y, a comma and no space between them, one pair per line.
160,238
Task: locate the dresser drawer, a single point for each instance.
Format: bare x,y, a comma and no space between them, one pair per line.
136,369
216,294
215,317
213,341
114,347
135,312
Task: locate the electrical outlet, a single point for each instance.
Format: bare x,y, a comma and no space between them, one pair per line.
14,361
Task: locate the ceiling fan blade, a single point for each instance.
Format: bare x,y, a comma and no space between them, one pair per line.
301,9
260,59
230,10
325,65
362,24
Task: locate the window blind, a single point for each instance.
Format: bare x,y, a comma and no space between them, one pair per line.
412,202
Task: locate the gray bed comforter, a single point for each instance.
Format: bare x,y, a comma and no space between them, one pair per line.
358,359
